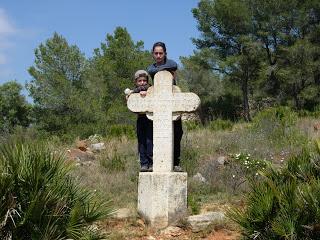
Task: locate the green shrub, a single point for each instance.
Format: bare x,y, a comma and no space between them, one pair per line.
193,204
278,125
220,124
189,158
192,125
277,121
114,162
285,204
242,168
117,130
39,199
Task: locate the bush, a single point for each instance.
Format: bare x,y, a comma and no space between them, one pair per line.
220,124
114,162
117,130
39,198
189,157
278,125
192,125
285,204
243,167
193,204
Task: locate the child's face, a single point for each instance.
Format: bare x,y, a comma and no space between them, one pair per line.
141,81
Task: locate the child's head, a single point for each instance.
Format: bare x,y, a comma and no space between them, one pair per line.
141,78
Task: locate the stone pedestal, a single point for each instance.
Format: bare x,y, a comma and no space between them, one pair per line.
162,197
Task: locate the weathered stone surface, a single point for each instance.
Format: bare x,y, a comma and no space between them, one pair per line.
150,238
199,178
202,221
163,102
96,147
162,197
78,155
82,145
162,194
221,160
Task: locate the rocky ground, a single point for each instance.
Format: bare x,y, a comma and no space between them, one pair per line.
137,230
125,224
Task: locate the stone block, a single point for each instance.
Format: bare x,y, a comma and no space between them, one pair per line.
162,197
202,221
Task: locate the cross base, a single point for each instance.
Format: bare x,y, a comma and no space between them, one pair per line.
162,197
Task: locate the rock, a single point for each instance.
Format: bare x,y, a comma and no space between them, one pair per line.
78,155
141,223
150,238
82,145
221,160
123,213
199,178
95,138
190,117
202,221
171,231
98,146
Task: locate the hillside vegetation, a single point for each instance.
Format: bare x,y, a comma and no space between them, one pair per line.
256,71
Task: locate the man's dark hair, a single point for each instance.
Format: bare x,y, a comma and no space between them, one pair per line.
159,44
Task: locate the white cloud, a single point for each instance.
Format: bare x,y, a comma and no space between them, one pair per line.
7,30
6,27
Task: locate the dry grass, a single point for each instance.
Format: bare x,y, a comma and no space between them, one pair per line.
200,148
204,145
119,186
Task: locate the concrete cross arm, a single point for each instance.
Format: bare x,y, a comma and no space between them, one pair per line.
181,101
139,104
185,102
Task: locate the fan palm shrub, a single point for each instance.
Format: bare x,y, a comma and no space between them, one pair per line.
40,200
285,203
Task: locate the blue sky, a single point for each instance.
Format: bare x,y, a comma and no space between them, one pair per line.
25,24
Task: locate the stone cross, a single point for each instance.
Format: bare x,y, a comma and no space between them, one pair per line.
163,103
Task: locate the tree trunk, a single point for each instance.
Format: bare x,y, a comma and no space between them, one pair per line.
245,98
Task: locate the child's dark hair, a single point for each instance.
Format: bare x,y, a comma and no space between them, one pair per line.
159,44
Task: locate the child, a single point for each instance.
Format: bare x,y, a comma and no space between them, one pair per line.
144,125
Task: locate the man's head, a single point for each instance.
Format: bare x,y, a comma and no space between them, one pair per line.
159,52
141,78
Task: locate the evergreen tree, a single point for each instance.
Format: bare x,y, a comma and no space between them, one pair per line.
14,109
115,62
270,48
57,84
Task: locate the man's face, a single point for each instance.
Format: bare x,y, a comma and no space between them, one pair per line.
141,81
158,55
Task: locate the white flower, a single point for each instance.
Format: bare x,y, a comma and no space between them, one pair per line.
233,176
